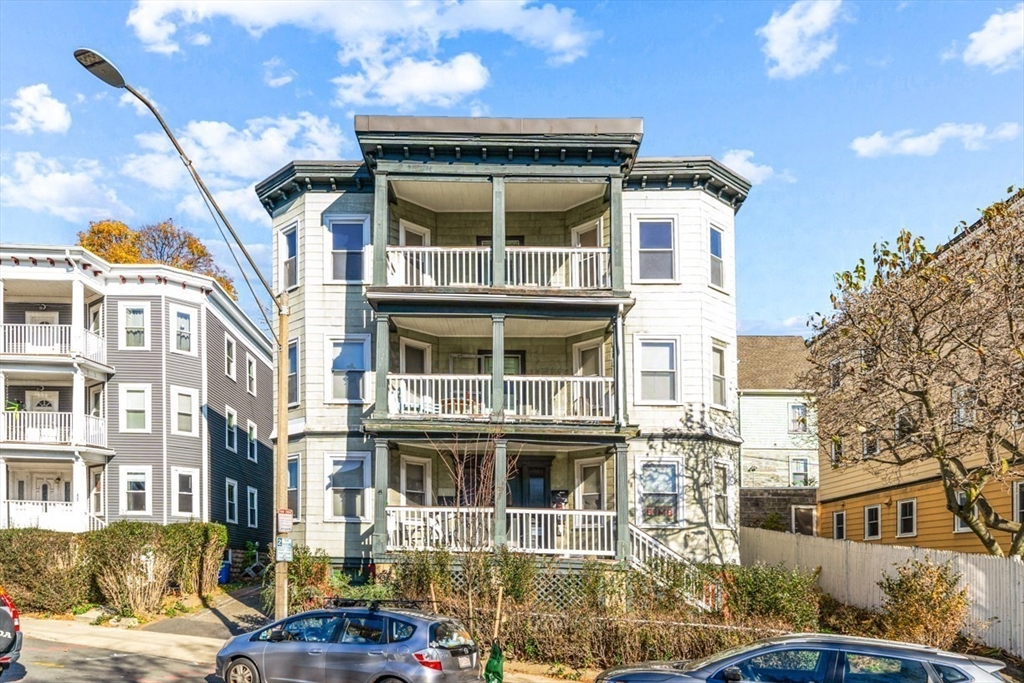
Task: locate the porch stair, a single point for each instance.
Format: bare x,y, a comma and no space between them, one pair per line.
673,571
96,523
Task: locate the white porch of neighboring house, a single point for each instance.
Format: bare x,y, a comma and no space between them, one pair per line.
60,492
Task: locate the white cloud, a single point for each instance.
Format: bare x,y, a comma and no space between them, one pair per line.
274,76
199,39
999,44
740,160
129,100
973,136
43,185
36,110
237,203
384,43
798,41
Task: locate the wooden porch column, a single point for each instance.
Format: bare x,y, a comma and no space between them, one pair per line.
500,485
380,229
497,366
498,231
77,316
380,498
622,552
619,368
80,491
383,357
78,404
3,492
618,240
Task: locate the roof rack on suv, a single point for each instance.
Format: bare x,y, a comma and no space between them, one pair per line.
372,604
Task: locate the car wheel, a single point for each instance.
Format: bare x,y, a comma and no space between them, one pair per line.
242,671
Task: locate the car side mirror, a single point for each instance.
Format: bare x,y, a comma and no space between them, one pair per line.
732,673
278,636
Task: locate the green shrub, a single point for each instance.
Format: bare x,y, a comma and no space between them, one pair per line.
46,571
195,550
517,573
132,566
773,522
766,591
309,580
923,603
413,575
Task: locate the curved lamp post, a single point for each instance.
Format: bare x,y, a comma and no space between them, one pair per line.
100,67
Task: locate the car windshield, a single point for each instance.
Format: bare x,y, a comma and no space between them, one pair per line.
717,657
449,634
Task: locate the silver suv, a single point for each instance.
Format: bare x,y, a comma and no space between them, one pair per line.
355,642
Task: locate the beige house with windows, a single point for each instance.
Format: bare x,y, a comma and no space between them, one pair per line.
510,332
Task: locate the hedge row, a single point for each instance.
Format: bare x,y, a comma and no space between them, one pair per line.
128,565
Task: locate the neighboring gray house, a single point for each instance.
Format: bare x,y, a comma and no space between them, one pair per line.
510,332
132,392
779,455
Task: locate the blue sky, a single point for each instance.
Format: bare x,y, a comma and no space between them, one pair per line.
853,119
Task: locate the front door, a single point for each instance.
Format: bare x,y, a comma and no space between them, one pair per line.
45,487
530,484
586,267
417,266
96,491
41,339
41,428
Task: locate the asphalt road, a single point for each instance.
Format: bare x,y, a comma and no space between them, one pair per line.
44,661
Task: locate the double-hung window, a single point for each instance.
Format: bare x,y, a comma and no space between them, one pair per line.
230,429
658,370
185,490
836,450
252,497
960,525
721,485
839,525
869,445
135,407
250,374
185,403
136,489
348,237
231,501
252,444
230,351
718,386
799,472
182,330
797,418
350,359
349,480
656,255
290,257
965,401
660,493
906,522
294,491
134,332
293,372
415,481
872,522
717,262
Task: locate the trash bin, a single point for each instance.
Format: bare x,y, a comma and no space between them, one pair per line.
225,572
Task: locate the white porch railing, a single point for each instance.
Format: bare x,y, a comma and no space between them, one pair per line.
558,267
669,568
450,396
439,266
46,515
559,398
26,426
540,531
51,340
561,532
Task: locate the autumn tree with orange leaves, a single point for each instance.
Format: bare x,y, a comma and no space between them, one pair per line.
162,242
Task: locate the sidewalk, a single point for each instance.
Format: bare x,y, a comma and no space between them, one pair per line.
231,615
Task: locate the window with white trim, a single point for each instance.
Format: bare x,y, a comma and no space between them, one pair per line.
590,487
904,426
231,501
718,382
799,472
133,318
965,402
136,489
294,490
721,480
657,370
660,492
290,257
250,374
872,522
656,253
135,407
230,351
348,237
184,492
869,445
1018,501
415,480
182,330
797,418
349,359
717,262
252,497
185,404
252,444
906,520
835,450
348,485
839,525
230,429
293,372
960,525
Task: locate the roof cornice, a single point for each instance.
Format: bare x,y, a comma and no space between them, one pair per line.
297,177
689,173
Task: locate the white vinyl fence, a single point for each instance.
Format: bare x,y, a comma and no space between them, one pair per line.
850,572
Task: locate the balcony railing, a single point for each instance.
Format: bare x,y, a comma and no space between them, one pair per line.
58,429
46,515
52,340
532,530
527,397
541,267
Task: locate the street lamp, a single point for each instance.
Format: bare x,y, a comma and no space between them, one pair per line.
100,67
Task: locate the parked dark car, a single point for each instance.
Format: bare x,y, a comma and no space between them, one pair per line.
10,632
357,644
818,658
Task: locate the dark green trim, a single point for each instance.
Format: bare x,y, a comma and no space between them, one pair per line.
380,229
617,232
498,232
413,428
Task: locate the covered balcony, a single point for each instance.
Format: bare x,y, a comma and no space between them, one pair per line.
59,494
50,415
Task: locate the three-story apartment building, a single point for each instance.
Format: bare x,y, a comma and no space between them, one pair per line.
510,332
131,392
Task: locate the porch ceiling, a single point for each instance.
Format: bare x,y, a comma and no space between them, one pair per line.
475,197
513,448
447,326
